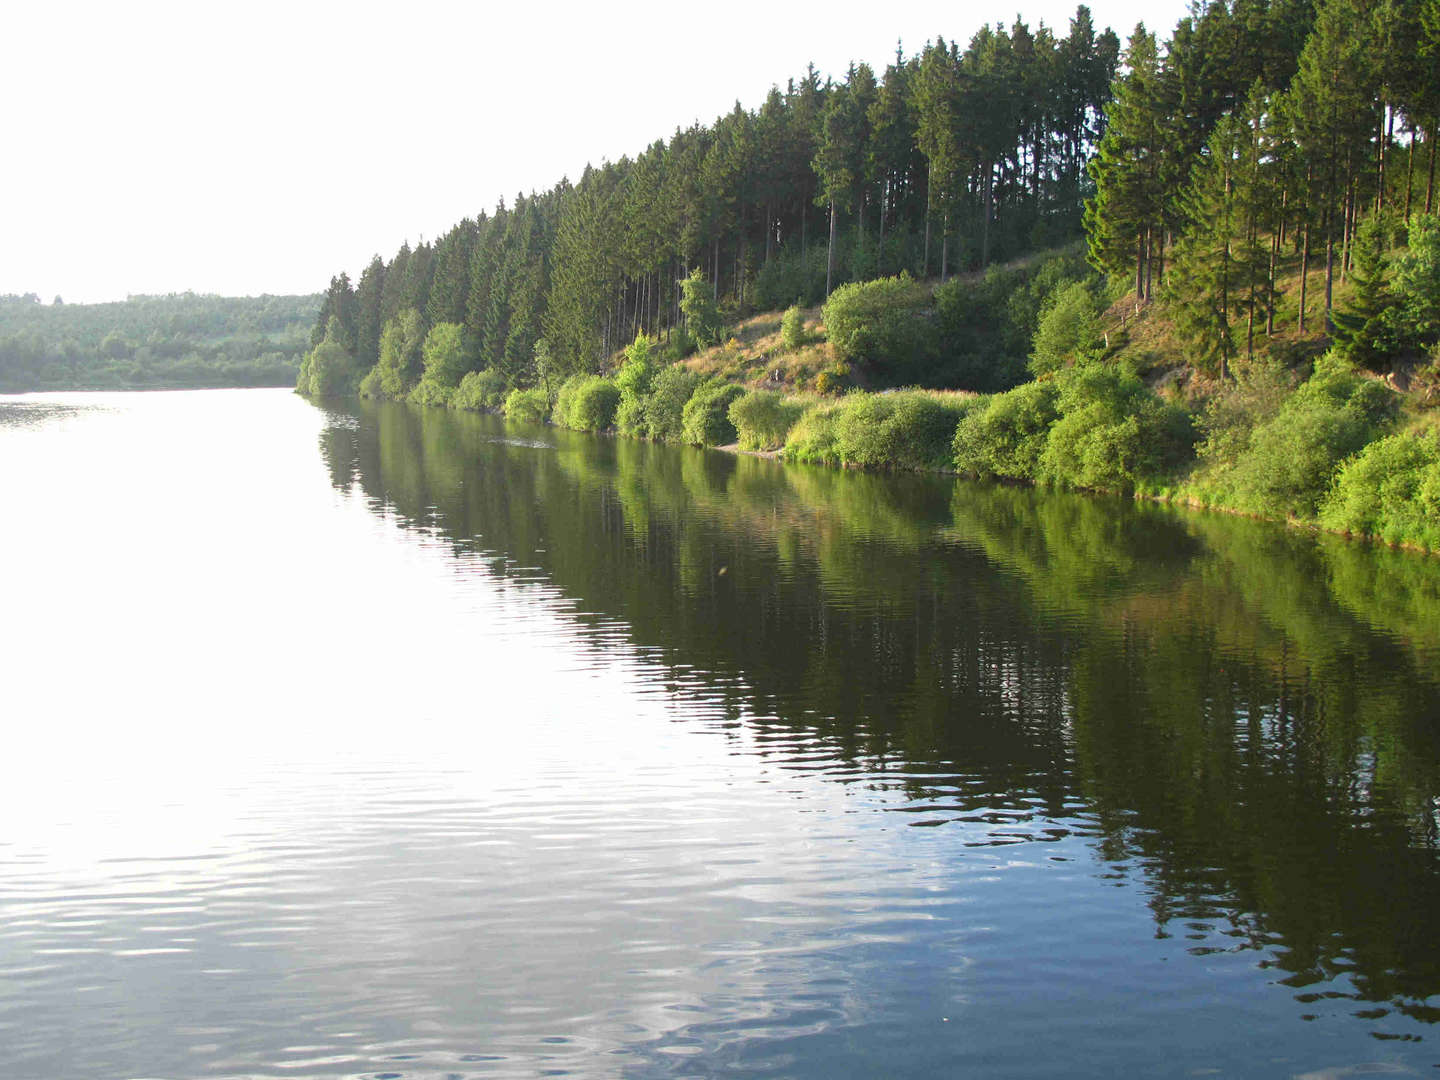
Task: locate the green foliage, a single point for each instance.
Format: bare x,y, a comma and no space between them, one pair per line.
1361,327
1113,434
527,406
905,430
637,371
428,392
1005,435
586,403
1069,330
792,274
1291,459
812,437
987,326
635,379
369,385
697,302
792,328
326,371
763,419
1413,322
883,325
401,361
1259,389
444,355
155,341
480,391
705,419
665,407
835,379
1390,491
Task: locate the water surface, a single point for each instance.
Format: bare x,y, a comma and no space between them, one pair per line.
397,742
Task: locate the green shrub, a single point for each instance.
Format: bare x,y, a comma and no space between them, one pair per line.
1291,459
665,407
907,430
790,275
630,416
834,380
369,386
1391,491
635,377
705,420
1414,320
1069,330
883,325
530,406
480,390
445,354
325,371
812,437
586,403
763,419
792,328
428,392
1006,435
1113,433
697,301
637,371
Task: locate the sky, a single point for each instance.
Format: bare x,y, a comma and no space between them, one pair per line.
156,147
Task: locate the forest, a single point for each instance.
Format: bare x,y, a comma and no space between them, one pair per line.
153,342
1203,268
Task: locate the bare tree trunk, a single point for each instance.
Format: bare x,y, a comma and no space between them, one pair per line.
1304,272
989,183
715,262
1409,169
945,248
1140,268
769,231
880,243
830,257
1430,184
929,188
1383,137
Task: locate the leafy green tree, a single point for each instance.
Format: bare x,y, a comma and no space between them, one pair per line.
444,354
697,303
1069,331
401,354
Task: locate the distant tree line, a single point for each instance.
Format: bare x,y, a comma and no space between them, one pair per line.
146,341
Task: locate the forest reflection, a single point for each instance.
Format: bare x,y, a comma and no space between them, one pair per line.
1247,716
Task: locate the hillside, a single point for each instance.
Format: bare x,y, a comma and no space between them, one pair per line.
147,342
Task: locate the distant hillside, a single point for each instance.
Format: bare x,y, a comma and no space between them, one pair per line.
179,340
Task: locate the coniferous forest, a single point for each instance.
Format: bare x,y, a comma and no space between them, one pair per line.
1203,267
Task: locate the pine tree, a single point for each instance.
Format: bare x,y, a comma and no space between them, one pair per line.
1123,219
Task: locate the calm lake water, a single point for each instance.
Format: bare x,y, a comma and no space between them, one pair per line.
401,743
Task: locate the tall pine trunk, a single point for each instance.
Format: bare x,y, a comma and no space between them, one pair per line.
930,185
830,254
1409,169
1430,183
880,243
1304,272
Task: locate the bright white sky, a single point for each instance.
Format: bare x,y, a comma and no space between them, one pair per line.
159,146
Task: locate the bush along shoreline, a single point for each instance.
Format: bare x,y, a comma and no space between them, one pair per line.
1317,441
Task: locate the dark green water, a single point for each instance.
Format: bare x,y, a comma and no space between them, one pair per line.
428,746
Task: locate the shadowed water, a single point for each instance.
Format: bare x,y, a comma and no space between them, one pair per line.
404,743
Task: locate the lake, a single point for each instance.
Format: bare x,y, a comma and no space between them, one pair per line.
389,742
